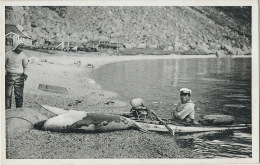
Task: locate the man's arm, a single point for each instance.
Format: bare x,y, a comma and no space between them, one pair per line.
174,110
6,60
25,64
24,70
188,109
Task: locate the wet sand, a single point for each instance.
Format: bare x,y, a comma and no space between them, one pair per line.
60,70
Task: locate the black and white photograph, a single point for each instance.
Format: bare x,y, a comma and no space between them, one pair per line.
112,82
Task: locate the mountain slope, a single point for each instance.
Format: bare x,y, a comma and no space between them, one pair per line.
198,28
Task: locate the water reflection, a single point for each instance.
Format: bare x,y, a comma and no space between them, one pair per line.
218,145
219,85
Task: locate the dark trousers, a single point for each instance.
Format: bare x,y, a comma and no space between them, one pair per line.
16,82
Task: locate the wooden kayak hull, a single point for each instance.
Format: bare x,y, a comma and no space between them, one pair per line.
191,129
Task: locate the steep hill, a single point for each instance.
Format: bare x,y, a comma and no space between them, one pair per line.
184,28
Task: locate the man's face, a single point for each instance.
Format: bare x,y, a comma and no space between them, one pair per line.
19,49
185,97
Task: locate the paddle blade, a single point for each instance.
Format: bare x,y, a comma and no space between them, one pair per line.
170,130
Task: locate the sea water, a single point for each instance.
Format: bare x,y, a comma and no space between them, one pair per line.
219,86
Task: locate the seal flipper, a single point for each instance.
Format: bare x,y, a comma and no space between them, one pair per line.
135,124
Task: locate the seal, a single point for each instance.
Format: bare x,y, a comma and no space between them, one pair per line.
81,121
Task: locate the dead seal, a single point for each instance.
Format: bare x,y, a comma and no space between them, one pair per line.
81,121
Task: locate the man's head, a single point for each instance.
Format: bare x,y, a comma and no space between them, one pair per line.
18,47
185,94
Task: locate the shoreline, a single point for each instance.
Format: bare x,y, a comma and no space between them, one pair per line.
104,59
61,70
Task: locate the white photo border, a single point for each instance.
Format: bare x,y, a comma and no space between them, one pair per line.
255,80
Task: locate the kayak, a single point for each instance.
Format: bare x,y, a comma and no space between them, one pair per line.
192,129
154,125
184,127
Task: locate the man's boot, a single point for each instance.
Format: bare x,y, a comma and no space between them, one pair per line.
19,102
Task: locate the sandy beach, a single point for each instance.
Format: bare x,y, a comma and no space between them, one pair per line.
62,69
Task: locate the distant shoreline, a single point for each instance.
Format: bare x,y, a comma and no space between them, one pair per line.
100,59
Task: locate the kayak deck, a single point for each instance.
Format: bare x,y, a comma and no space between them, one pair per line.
192,129
184,127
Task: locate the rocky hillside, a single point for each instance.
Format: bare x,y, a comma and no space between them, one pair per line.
207,29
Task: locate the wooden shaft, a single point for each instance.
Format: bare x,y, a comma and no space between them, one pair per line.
170,130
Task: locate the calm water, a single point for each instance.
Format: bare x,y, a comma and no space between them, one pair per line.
219,86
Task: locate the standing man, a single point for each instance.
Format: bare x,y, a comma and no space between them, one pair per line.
16,65
186,108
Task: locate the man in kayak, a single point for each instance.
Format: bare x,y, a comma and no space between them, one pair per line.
186,108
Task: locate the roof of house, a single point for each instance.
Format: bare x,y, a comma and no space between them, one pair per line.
93,42
9,28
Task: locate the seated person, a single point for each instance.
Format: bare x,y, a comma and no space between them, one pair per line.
186,108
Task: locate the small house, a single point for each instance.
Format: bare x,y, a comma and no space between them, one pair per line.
66,46
14,34
35,42
103,44
73,46
93,45
116,46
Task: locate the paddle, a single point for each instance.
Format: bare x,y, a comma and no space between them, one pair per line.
169,128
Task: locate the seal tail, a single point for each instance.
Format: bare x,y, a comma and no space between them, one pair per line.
55,110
